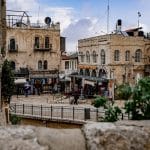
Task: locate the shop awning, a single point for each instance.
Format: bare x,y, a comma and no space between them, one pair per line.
89,82
96,79
20,81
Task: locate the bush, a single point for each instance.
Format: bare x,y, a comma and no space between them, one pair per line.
100,101
15,119
111,114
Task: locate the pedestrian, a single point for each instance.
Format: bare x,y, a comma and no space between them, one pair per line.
76,97
38,87
26,88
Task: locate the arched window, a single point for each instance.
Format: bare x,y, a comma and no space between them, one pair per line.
138,55
116,55
39,65
82,56
12,44
81,71
46,42
127,55
94,57
45,64
102,56
102,73
87,57
87,72
94,73
13,65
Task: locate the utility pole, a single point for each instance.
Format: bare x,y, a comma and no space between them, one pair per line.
108,9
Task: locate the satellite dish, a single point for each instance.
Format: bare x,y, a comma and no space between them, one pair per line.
48,20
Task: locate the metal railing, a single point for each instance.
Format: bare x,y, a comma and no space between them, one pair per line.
63,113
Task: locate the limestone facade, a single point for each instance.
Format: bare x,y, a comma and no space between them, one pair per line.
35,48
118,57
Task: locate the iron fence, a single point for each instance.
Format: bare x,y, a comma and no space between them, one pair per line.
64,113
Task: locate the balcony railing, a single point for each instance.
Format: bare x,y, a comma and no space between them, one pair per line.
42,47
13,48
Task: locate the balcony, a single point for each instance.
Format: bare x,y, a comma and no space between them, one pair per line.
13,48
147,69
42,47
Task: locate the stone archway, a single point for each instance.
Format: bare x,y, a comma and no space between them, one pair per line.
81,71
93,73
87,72
102,73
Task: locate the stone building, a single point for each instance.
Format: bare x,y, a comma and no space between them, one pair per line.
109,60
68,67
34,49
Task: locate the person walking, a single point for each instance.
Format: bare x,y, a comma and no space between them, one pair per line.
26,88
76,97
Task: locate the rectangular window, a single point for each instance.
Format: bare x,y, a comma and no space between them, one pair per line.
116,55
66,64
37,42
127,56
46,42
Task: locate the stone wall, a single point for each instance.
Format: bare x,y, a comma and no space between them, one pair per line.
119,136
125,135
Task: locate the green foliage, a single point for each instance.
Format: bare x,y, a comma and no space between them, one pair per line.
100,101
124,91
112,113
15,119
7,80
139,106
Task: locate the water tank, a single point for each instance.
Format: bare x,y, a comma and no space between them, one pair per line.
118,25
119,22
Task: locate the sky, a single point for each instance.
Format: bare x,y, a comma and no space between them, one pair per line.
85,18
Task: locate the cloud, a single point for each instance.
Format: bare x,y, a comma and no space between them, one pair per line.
39,11
81,28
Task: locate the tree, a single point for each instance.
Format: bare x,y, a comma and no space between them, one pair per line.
139,106
124,91
7,81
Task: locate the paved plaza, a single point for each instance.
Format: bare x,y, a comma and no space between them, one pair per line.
50,99
56,99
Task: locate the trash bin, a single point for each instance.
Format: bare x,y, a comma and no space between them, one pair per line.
86,113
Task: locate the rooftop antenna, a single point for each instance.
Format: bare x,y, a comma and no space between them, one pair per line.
108,9
139,15
38,15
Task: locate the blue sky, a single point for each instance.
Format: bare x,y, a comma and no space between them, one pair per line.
85,18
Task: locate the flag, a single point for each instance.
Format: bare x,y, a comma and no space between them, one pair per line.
139,14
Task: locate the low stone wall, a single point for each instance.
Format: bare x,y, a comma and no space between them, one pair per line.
40,138
126,135
129,135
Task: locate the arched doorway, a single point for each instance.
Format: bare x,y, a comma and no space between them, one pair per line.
102,73
87,72
94,73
